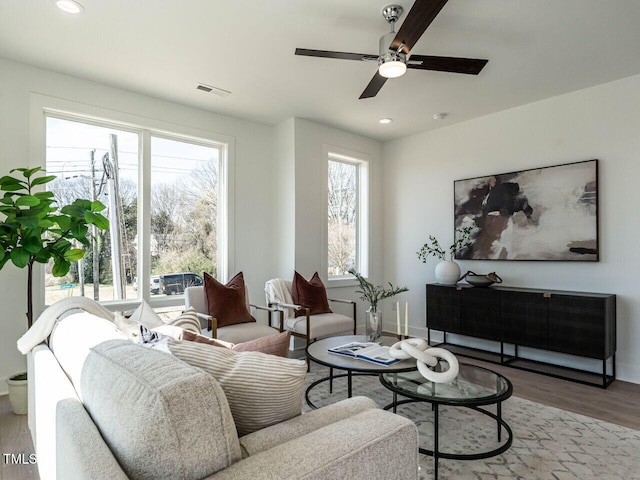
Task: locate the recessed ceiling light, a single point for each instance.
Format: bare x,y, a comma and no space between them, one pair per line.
440,116
210,89
69,6
385,121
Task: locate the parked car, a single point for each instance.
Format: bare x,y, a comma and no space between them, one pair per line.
154,285
175,283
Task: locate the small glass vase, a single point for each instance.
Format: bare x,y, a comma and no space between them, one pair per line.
373,324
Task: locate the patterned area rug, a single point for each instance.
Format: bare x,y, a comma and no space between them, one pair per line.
548,443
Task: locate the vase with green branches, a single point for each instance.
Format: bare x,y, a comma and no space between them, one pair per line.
373,294
447,271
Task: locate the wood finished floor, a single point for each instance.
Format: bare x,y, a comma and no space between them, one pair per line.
619,404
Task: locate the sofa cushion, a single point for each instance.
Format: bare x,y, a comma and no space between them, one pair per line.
227,303
161,418
310,294
72,338
262,389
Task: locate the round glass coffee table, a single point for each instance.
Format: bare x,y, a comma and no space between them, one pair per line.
472,388
318,352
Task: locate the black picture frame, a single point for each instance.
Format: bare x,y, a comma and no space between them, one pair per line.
538,214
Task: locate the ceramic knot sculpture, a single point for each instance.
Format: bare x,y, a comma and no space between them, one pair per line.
426,357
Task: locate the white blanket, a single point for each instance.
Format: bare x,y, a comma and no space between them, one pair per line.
43,326
278,291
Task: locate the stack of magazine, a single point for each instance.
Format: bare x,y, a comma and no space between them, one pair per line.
368,351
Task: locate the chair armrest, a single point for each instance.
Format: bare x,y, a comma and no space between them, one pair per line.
373,444
289,305
212,323
271,310
340,300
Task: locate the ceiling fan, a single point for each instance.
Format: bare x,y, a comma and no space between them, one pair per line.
394,48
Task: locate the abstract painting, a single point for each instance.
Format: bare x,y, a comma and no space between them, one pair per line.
548,213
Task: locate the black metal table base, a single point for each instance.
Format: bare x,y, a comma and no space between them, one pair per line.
437,454
330,379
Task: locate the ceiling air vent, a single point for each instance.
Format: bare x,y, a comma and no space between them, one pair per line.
210,89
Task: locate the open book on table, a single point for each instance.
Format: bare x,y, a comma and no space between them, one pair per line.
368,351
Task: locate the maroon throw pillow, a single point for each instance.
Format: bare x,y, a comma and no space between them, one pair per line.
310,294
226,303
190,336
277,344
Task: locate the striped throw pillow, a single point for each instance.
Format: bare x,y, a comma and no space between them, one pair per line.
261,389
188,320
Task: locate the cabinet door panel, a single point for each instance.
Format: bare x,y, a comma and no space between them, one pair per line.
443,309
480,313
524,319
576,325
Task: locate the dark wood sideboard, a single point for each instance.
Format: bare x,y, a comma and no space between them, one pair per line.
575,323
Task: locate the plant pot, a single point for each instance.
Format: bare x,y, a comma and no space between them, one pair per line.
373,324
18,393
447,272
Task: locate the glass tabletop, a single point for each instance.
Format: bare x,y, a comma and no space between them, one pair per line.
473,386
318,352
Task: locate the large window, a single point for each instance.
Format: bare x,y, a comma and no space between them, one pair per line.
347,182
163,198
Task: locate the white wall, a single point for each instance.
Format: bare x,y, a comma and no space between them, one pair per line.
304,181
253,145
601,122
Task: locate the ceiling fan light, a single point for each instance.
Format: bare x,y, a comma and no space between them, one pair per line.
392,69
392,64
69,6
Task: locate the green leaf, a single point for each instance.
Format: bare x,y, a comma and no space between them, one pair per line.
74,254
60,267
3,261
96,219
20,257
79,231
2,255
43,195
97,206
12,187
8,180
28,172
45,224
27,201
33,242
73,210
30,221
63,221
43,256
42,180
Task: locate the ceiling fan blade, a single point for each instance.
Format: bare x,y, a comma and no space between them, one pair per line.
419,18
374,86
339,55
470,66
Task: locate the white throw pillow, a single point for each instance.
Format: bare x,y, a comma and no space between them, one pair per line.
187,320
145,315
261,389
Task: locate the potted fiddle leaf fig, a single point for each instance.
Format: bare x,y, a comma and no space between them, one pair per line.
35,229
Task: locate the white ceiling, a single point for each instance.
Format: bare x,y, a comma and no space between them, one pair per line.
164,48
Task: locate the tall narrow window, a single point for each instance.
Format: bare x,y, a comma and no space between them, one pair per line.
96,162
185,194
347,218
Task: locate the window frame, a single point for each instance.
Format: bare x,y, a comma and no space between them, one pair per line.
42,106
363,201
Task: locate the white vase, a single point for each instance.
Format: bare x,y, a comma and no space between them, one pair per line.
447,272
18,396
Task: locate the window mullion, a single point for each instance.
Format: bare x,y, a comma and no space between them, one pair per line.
144,219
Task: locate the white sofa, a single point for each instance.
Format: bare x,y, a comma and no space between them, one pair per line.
120,410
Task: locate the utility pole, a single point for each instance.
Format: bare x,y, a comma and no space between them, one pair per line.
110,161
